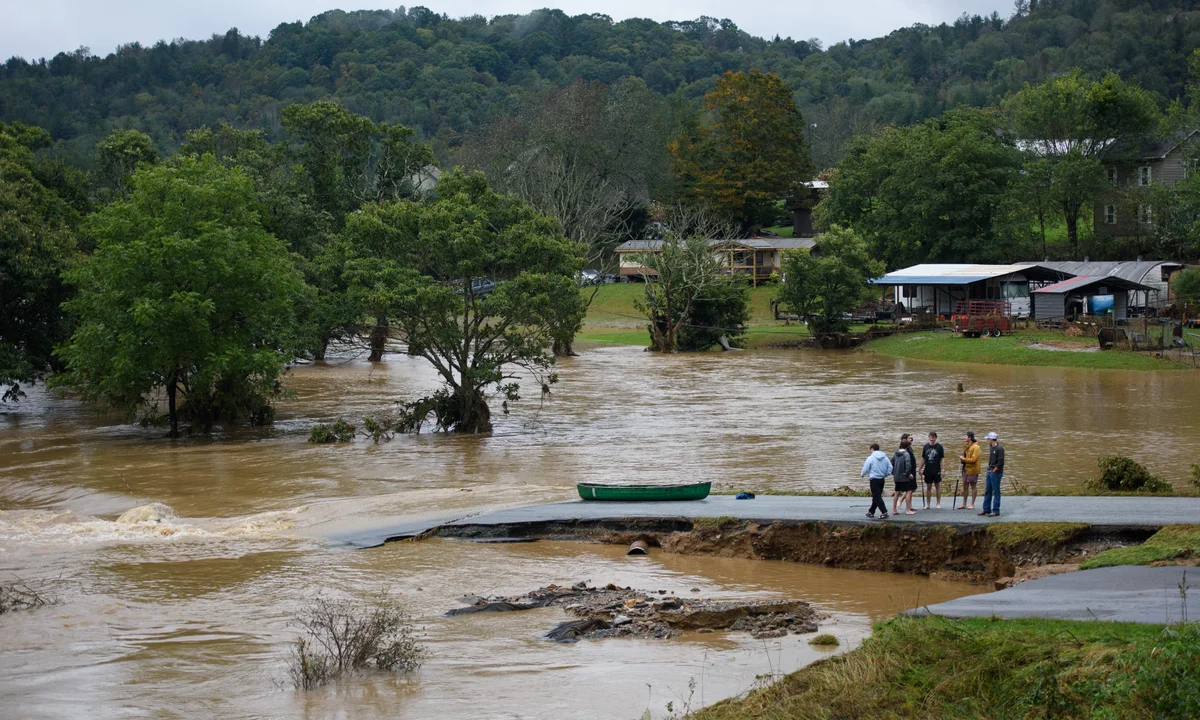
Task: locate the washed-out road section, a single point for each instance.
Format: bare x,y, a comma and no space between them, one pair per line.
1099,512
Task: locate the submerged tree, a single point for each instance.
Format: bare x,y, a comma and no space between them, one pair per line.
677,278
185,293
822,287
37,241
477,284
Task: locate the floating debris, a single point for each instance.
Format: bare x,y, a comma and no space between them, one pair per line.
613,611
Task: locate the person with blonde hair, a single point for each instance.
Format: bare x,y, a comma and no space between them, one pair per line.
970,470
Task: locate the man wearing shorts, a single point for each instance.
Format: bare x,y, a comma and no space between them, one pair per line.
931,470
970,468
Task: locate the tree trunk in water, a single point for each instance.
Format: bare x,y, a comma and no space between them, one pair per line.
473,413
563,348
378,340
172,413
322,347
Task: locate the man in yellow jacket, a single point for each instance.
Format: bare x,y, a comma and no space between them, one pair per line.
970,469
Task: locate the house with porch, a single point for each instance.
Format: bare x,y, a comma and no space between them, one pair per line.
939,288
757,258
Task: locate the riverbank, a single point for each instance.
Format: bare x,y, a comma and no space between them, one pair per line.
1026,347
937,668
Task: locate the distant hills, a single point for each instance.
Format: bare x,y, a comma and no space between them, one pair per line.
447,76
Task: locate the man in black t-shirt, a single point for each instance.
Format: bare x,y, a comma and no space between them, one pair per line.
931,470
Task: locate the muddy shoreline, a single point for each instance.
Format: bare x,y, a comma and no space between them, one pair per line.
968,552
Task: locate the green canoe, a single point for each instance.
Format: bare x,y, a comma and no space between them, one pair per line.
688,491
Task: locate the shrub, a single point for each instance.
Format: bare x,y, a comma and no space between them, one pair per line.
341,431
1118,472
1196,475
19,595
342,636
723,310
824,640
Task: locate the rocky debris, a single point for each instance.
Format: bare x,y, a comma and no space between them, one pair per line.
613,611
773,625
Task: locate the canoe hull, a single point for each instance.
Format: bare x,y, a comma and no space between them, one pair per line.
643,493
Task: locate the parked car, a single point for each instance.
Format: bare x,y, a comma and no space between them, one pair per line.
595,277
480,287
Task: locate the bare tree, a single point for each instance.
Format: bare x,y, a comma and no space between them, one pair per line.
588,154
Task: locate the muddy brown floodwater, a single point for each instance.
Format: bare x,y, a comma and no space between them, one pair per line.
188,617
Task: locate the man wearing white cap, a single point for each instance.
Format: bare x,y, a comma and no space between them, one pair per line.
995,471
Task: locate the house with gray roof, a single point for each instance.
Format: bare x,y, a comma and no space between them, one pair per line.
1123,210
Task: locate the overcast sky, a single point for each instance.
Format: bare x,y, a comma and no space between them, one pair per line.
45,27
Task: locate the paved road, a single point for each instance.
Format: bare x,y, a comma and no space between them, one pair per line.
1121,594
1097,511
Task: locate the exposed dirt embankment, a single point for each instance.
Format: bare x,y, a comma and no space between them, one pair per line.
971,552
999,552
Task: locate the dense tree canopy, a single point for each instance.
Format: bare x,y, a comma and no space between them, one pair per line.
186,292
445,77
37,242
940,191
1071,123
475,281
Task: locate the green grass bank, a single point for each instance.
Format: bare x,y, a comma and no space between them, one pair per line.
1028,347
613,319
1173,543
982,668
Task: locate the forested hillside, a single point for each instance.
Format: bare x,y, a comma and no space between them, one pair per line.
445,77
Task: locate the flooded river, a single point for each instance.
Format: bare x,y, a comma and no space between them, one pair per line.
189,618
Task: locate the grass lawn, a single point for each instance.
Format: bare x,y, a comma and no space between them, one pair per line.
612,318
985,668
1013,350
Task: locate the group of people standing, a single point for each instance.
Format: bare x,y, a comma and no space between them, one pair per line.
904,469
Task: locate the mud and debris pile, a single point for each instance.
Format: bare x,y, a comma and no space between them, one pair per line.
613,611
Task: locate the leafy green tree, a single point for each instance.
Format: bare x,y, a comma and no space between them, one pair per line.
37,242
753,154
475,281
118,155
289,212
1186,287
681,275
185,293
934,192
335,149
723,311
1074,123
822,287
350,160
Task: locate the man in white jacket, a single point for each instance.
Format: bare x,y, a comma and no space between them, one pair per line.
877,468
